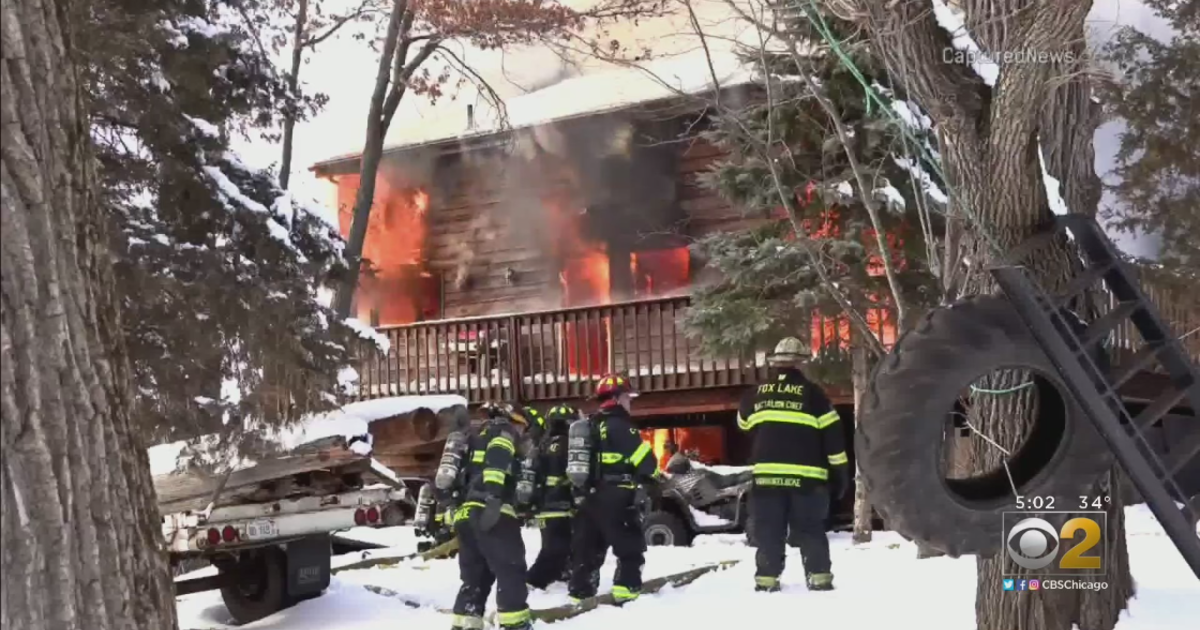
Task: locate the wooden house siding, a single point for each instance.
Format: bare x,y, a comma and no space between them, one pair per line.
471,223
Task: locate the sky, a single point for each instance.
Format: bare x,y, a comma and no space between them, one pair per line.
343,68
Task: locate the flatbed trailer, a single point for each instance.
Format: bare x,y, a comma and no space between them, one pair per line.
268,528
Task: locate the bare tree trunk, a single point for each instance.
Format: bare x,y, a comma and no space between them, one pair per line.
79,536
395,70
371,156
860,377
289,117
990,137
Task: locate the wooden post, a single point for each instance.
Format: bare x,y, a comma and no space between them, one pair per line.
515,373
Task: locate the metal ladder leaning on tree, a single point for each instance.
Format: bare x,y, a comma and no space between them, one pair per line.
1096,392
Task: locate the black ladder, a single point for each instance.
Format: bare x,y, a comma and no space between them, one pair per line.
1096,392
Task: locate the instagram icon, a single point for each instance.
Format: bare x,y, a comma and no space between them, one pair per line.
1035,585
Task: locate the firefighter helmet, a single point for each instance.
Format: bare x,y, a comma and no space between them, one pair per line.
789,350
504,411
610,389
532,416
561,417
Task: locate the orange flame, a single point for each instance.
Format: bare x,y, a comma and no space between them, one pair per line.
707,444
660,272
396,229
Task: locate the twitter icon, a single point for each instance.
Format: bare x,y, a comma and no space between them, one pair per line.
1008,585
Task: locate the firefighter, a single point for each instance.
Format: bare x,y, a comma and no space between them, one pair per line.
536,424
555,506
610,502
799,460
490,545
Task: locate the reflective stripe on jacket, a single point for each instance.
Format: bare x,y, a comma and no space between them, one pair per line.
797,433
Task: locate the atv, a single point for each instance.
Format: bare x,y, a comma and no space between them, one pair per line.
695,500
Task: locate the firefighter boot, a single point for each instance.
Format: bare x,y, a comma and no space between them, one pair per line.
467,622
764,584
519,620
820,582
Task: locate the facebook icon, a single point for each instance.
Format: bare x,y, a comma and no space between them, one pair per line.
1022,585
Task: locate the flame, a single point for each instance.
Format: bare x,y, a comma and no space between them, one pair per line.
398,291
586,278
705,444
660,272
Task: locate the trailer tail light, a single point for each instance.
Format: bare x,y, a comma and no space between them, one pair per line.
360,517
372,515
229,534
214,536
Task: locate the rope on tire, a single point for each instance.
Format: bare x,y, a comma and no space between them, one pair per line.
1000,392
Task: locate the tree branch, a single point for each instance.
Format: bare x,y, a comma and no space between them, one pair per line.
403,72
337,24
490,93
913,46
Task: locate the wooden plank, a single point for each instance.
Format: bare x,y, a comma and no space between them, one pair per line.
175,491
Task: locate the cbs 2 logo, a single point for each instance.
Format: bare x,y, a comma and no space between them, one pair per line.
1033,544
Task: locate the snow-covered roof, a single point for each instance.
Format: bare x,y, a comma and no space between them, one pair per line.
587,95
349,421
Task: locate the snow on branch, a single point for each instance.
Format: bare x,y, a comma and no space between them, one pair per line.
230,192
370,334
953,22
927,184
205,128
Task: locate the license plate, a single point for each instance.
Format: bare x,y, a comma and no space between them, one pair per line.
261,529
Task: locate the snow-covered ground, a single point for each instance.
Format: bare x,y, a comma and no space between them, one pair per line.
878,584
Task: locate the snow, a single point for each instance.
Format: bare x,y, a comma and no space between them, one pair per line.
704,519
845,189
199,26
891,196
927,184
884,574
204,127
164,458
347,380
230,191
911,115
1057,204
352,420
370,334
722,469
592,93
952,20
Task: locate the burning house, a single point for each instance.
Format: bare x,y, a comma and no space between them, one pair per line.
523,265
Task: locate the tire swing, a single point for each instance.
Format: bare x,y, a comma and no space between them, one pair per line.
905,416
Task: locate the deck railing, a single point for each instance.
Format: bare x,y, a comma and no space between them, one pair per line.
548,355
561,354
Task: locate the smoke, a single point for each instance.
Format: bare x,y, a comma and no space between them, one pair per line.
550,194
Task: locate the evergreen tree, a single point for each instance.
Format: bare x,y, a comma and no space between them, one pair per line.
1158,165
769,285
219,267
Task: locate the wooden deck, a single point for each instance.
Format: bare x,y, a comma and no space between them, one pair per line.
559,355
